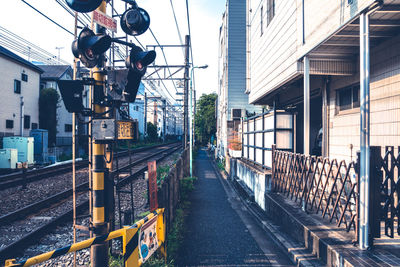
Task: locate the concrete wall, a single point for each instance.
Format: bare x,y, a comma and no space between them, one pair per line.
257,181
10,101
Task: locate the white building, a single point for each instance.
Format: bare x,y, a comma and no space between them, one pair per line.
232,100
19,88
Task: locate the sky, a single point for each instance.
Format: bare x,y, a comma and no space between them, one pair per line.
205,19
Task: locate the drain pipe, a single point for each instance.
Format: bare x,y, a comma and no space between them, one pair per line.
364,236
21,132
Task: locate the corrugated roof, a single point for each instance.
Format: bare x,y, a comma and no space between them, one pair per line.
7,53
54,71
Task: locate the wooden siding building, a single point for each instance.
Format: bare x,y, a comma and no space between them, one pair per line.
287,37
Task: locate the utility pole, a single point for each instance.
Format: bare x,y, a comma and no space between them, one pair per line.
99,252
145,115
186,89
164,118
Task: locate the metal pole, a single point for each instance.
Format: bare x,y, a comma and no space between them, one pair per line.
164,118
145,115
306,106
364,132
186,87
74,150
99,252
191,124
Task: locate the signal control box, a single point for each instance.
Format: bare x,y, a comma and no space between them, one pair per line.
105,130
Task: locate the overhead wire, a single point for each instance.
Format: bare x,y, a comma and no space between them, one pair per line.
44,15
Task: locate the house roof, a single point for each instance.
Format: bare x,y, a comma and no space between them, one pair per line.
54,72
7,53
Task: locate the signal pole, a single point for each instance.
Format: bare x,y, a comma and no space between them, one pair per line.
186,89
99,252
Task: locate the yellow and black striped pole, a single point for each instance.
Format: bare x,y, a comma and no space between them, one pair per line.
99,252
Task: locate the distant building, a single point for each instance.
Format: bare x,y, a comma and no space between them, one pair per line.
19,89
136,109
49,78
233,102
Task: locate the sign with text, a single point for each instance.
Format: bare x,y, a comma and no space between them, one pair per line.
152,169
106,21
148,240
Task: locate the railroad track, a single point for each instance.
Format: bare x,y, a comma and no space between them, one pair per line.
17,246
21,179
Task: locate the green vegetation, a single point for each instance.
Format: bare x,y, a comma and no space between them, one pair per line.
205,119
162,172
152,134
48,101
221,164
115,261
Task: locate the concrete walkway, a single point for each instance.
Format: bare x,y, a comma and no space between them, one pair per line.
220,231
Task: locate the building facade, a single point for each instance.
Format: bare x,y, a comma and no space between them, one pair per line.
308,57
49,78
233,102
19,101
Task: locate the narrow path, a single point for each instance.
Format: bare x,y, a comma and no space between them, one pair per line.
220,232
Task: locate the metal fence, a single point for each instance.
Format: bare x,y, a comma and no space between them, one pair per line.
321,186
385,191
260,132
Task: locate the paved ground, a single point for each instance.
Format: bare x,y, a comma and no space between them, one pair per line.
220,232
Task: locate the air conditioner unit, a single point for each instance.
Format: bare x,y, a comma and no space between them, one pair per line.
236,113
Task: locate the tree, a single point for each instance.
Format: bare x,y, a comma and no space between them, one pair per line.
152,134
205,121
48,101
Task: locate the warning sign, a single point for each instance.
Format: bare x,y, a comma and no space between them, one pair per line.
106,21
152,169
148,240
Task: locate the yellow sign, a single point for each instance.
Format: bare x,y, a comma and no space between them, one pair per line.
125,130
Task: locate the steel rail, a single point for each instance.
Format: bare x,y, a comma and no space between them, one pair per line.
14,180
17,246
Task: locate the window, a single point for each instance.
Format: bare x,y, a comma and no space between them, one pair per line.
68,128
17,86
262,19
347,98
9,124
34,125
27,121
24,77
270,11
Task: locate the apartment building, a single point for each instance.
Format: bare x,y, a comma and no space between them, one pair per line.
19,88
312,56
233,102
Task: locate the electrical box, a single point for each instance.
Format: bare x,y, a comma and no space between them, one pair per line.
104,130
24,145
8,158
40,145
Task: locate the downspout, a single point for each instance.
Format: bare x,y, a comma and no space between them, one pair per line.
21,133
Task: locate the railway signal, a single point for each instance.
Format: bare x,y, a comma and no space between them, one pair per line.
83,5
135,20
89,47
137,63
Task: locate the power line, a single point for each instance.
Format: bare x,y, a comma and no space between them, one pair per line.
177,28
59,25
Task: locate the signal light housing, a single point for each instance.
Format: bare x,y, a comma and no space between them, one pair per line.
137,63
89,47
83,5
71,93
135,21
